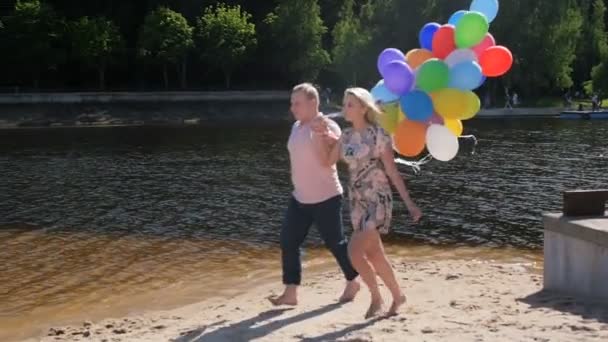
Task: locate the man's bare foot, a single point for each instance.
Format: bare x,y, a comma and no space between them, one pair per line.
374,308
350,291
394,310
283,300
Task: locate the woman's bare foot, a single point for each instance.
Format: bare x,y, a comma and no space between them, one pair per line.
394,310
350,291
374,308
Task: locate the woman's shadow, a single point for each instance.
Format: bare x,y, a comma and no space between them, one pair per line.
248,329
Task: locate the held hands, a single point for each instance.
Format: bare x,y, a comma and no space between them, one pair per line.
320,127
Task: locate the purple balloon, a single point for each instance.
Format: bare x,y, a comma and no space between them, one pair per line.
387,56
398,77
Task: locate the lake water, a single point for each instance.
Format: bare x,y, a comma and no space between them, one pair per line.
103,221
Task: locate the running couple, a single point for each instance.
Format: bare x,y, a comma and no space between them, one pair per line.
315,145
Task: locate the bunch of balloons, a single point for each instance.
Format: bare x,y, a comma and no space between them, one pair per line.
428,92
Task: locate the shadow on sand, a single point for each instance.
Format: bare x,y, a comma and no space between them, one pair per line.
585,308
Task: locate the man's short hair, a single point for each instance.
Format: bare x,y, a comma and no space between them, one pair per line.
308,89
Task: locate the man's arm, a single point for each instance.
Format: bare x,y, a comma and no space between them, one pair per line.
326,139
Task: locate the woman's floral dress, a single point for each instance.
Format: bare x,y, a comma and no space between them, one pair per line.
370,194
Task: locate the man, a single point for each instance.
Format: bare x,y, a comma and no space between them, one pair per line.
316,198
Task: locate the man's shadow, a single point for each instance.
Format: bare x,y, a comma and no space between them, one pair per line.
585,308
245,330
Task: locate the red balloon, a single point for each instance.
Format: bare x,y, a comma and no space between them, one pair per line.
443,41
496,61
487,42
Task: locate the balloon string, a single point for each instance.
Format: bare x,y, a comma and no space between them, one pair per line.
474,141
416,165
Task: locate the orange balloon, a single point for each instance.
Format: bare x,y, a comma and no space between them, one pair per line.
416,57
410,138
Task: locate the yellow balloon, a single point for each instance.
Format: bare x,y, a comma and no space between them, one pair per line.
474,105
455,126
390,118
400,117
455,104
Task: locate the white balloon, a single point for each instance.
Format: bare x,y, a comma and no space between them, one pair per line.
441,142
459,56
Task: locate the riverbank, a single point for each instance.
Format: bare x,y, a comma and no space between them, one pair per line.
196,115
140,97
464,300
43,110
521,113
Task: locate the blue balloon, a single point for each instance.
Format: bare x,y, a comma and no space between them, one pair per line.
465,76
455,18
489,8
417,105
425,37
381,93
483,79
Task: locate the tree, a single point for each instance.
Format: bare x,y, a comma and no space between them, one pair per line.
296,32
224,36
349,43
599,73
96,41
165,38
34,33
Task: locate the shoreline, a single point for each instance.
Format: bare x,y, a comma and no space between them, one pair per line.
108,121
464,299
139,97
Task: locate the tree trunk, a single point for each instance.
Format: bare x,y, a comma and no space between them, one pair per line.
227,76
36,79
184,78
166,76
102,77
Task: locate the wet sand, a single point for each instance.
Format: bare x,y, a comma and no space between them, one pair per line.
448,300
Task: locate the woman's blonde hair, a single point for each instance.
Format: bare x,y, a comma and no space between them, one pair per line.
366,99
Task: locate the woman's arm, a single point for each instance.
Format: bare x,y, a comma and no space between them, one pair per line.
393,174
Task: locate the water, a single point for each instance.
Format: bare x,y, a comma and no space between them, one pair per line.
102,221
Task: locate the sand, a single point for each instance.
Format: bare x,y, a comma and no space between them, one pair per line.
451,300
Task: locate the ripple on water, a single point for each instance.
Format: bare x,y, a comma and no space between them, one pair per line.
90,217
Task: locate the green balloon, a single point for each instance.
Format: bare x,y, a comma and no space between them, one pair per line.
433,75
471,29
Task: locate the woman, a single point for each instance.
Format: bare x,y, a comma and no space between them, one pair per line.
368,151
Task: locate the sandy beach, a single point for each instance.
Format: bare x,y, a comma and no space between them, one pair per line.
451,300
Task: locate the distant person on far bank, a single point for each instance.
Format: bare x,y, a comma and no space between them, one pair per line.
595,102
316,199
515,99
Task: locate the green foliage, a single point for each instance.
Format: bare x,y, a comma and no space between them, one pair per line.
599,73
296,30
165,36
556,44
96,42
34,34
224,36
350,43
